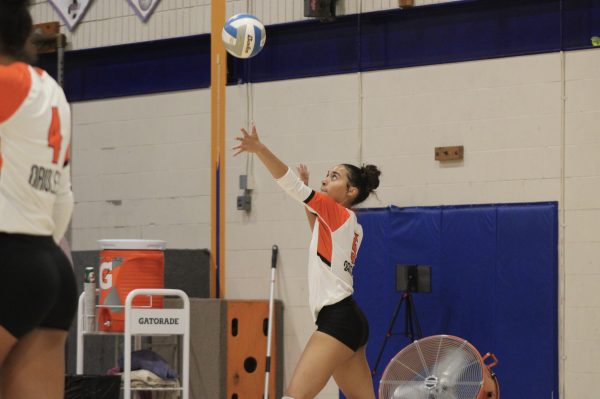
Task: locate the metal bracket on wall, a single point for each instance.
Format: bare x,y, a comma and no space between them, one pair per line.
244,202
47,37
455,153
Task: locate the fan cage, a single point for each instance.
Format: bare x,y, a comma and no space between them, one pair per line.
436,367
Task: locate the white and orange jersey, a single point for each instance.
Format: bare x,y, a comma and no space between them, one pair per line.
335,241
35,132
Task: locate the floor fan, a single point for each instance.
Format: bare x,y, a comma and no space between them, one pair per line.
440,367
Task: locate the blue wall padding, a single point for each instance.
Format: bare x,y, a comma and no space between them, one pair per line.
301,49
580,21
134,69
494,283
425,36
397,38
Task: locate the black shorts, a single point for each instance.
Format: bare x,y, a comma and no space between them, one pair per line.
345,322
37,284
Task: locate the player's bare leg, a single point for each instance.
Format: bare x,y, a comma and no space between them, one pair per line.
35,367
354,377
322,355
7,342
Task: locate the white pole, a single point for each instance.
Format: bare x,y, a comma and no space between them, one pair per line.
80,331
270,322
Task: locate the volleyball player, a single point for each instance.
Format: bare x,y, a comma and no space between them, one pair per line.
38,294
337,347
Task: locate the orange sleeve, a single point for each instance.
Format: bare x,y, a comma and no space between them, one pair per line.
332,213
15,83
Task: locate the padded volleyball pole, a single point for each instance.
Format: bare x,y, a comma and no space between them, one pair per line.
274,252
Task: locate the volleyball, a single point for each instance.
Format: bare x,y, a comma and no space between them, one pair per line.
243,35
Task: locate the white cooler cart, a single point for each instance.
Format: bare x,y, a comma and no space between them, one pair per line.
145,321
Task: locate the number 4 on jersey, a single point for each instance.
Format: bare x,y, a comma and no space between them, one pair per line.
54,137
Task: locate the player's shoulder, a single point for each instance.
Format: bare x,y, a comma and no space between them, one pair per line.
15,85
47,82
22,74
15,74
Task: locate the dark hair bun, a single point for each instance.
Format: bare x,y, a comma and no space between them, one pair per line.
365,179
370,175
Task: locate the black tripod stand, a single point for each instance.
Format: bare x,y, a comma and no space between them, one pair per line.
408,279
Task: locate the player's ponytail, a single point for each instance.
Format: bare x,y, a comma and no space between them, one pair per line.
365,179
15,27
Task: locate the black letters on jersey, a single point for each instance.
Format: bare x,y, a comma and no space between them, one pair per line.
44,179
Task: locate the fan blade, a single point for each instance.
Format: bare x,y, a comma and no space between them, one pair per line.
410,391
449,368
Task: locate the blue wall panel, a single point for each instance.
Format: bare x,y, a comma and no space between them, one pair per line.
301,49
467,268
526,297
450,32
494,282
459,32
151,67
580,21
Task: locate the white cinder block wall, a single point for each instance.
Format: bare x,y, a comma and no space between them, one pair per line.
141,165
505,112
151,153
112,22
140,169
582,225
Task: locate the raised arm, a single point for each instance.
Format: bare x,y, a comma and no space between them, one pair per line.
251,143
304,174
330,211
285,177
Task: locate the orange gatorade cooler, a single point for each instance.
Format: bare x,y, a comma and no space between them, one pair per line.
124,266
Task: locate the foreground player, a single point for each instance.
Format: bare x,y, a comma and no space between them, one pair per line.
337,348
38,295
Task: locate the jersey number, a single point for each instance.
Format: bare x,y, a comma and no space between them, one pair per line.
54,137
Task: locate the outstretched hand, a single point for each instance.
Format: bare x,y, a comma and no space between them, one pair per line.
303,173
249,142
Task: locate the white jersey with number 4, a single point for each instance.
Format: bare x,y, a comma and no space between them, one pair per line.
35,132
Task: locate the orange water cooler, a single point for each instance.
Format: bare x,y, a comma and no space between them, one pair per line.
124,266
